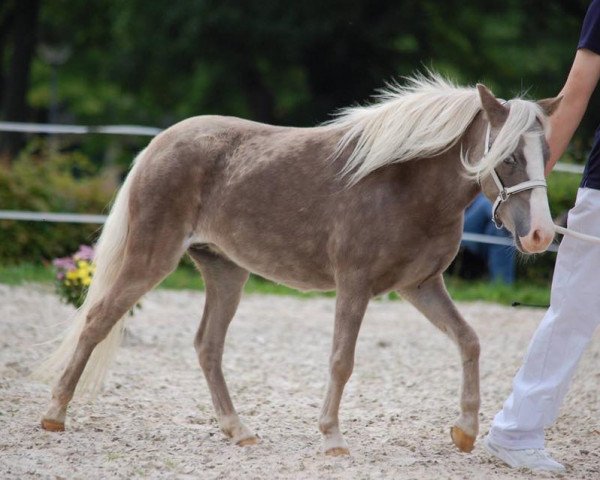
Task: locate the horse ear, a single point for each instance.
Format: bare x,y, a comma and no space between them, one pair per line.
549,105
494,110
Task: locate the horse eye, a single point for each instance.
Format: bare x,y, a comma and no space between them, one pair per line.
510,160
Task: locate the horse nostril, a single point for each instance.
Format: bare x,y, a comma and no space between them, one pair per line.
537,236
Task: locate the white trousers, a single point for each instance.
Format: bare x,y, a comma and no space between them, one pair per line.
561,338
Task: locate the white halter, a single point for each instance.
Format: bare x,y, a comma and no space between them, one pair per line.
503,192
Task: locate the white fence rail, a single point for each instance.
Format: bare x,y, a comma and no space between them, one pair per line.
149,132
100,219
51,217
78,129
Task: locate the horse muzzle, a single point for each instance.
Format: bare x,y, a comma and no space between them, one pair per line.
537,240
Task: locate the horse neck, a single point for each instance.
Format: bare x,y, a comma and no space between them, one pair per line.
442,179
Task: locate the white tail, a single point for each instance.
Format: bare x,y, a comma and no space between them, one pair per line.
108,259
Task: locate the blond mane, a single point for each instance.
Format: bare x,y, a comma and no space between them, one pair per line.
423,118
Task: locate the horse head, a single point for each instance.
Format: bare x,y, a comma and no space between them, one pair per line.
514,180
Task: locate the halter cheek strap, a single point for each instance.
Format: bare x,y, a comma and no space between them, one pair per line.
504,193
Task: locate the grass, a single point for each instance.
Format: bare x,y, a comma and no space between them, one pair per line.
187,278
522,292
26,272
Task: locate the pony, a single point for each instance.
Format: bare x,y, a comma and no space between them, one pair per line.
367,203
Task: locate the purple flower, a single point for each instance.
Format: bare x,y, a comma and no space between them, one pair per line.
85,252
65,263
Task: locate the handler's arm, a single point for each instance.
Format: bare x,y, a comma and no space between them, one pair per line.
576,93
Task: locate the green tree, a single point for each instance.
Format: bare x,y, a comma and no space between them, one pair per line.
18,38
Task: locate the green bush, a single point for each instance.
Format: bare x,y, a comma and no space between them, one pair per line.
562,190
39,180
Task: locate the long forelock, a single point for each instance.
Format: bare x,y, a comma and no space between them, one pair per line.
520,122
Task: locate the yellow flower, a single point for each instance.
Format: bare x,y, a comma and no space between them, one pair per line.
86,281
72,275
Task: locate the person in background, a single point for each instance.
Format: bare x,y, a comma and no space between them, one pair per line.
517,432
500,259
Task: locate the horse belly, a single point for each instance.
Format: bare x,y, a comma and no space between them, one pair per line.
282,252
287,268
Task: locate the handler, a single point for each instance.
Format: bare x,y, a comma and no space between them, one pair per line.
517,432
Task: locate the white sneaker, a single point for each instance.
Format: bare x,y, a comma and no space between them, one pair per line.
533,459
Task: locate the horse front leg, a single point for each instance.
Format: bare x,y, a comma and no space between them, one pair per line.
351,303
433,301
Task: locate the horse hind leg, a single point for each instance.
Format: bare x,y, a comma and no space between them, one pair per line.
224,283
147,260
433,301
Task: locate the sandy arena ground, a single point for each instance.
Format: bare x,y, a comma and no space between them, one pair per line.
155,418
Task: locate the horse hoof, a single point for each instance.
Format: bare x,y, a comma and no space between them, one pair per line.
462,440
337,452
247,442
52,425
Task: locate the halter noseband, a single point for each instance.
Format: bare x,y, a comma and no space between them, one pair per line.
504,193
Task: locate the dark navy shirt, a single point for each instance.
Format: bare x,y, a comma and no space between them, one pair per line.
590,40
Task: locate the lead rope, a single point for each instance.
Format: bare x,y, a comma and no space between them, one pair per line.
579,235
